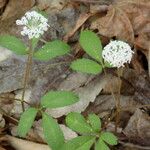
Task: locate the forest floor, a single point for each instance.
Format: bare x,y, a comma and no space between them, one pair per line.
127,20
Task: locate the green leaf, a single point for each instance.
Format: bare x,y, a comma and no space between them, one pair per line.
79,143
91,43
109,138
14,44
55,99
26,121
100,145
95,122
52,132
51,50
77,122
86,66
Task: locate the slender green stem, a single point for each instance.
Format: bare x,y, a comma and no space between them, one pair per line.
27,74
111,90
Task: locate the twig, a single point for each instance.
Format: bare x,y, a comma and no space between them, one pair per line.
101,2
16,99
13,120
149,61
27,74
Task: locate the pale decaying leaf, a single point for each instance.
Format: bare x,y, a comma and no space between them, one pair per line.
68,133
137,128
74,81
86,94
38,131
5,53
19,144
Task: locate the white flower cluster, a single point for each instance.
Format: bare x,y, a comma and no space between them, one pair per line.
34,24
117,53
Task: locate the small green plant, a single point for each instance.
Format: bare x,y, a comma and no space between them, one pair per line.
90,133
34,26
52,132
115,54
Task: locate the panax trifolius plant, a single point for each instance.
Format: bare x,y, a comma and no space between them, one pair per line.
115,54
34,25
90,133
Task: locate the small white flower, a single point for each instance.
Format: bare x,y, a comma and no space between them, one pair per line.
34,24
117,53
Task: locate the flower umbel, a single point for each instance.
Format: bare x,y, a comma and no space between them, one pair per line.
34,24
117,53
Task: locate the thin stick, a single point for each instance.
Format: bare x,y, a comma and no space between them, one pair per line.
27,74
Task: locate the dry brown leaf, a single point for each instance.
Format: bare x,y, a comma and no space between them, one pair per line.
138,129
115,23
126,19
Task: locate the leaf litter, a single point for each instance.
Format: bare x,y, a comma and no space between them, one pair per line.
127,20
